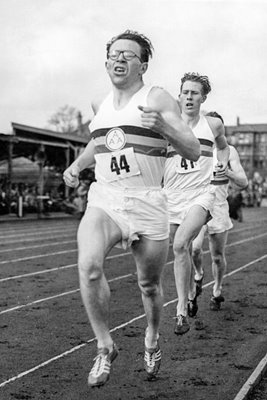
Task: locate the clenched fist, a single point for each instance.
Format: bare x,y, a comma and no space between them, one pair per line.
220,169
152,119
71,176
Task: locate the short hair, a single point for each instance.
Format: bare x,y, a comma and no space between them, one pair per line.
215,115
142,40
195,77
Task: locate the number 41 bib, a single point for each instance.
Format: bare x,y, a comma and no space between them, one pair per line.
118,164
184,166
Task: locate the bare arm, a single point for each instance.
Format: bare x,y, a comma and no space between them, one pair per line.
223,150
164,117
85,160
236,172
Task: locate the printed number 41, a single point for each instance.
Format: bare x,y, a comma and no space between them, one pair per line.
117,167
184,164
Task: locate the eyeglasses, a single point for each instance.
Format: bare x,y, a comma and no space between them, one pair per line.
127,55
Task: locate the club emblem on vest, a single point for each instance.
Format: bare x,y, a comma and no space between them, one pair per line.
115,139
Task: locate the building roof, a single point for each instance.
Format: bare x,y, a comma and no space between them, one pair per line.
245,128
47,135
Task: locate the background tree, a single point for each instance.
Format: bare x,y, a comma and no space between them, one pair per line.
64,120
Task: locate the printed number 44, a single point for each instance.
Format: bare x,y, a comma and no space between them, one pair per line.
116,166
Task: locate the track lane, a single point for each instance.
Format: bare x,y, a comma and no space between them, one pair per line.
114,329
76,362
68,278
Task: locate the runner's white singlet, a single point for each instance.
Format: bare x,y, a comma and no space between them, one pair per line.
127,154
184,174
129,169
221,220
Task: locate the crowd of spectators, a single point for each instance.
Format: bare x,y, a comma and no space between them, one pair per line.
251,196
27,197
54,199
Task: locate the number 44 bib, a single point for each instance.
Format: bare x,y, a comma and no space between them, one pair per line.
118,164
184,166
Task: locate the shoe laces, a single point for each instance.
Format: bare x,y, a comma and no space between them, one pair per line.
180,319
152,357
101,364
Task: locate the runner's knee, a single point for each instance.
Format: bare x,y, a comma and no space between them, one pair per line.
149,289
90,269
218,259
180,246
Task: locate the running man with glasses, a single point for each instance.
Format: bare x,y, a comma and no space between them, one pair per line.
126,204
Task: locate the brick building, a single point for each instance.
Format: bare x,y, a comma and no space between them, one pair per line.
250,141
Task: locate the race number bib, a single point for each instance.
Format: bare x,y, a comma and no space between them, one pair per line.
118,164
184,166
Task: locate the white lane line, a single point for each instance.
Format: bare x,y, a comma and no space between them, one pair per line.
240,241
73,349
48,255
37,239
37,256
246,240
59,356
36,226
44,271
33,232
38,246
74,224
38,301
58,295
15,308
226,275
66,251
253,380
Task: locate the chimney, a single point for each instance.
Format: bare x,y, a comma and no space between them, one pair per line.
237,121
80,123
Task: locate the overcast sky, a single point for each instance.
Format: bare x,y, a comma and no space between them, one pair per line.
53,53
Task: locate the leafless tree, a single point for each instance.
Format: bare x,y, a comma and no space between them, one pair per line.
64,120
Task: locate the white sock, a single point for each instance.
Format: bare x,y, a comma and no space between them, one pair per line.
151,344
216,293
199,275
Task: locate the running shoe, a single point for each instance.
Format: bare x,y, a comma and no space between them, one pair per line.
100,371
192,307
152,360
215,302
181,325
199,283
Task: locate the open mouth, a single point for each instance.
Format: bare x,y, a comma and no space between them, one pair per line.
119,69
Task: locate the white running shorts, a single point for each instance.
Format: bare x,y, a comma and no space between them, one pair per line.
180,202
136,211
221,220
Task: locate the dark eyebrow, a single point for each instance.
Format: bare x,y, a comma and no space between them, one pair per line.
189,90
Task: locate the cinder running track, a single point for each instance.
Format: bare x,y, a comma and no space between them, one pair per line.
47,345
